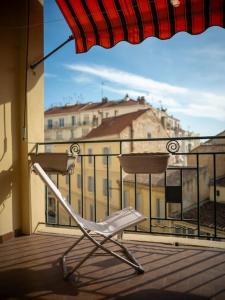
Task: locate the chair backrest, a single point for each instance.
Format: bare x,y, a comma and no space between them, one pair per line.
50,184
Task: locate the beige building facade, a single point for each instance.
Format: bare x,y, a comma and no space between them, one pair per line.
21,110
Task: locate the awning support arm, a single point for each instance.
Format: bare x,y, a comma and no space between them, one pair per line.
34,65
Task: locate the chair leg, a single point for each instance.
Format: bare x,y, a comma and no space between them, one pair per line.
68,274
129,255
63,257
131,261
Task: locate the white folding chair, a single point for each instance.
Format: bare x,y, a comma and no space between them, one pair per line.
111,226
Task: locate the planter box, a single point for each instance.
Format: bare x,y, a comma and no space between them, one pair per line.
146,163
54,162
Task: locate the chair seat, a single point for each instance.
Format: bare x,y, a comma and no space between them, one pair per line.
115,223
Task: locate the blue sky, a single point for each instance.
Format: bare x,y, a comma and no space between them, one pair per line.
185,74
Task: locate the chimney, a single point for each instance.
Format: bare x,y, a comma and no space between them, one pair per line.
126,98
105,100
141,100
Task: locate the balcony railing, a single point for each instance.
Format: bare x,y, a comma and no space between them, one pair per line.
187,200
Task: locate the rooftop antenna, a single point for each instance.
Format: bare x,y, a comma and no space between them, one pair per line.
102,83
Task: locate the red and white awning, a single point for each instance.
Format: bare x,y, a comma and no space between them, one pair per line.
107,22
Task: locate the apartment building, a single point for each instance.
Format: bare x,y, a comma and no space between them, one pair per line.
71,122
97,176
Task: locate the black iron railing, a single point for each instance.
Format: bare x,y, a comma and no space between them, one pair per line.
187,200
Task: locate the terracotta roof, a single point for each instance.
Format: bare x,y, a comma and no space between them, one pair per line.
114,125
156,180
220,181
64,109
207,215
90,106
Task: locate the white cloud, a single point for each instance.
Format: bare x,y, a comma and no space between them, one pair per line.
153,99
49,75
196,103
82,79
130,80
214,52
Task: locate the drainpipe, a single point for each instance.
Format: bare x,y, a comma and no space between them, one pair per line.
131,136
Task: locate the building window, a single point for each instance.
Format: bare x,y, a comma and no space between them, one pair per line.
178,230
189,147
72,134
92,212
95,121
49,123
79,207
125,199
105,186
51,210
138,201
78,181
86,120
190,231
73,120
106,150
90,156
90,184
218,193
149,135
51,203
158,212
61,123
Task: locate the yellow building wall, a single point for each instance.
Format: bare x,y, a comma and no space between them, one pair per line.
20,46
207,160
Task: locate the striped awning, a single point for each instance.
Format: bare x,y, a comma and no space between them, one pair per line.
107,22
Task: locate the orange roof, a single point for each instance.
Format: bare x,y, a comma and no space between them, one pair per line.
89,106
115,125
64,109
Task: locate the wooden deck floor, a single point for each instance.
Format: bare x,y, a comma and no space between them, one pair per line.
29,270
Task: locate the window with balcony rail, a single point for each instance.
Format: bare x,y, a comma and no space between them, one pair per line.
61,123
73,120
90,184
106,151
107,187
50,125
86,120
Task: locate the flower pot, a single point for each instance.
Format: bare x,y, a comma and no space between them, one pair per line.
62,163
146,163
